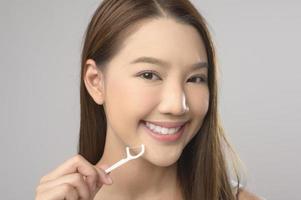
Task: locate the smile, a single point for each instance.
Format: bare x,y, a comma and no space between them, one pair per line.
163,134
162,130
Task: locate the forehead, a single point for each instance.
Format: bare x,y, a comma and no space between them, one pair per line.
165,39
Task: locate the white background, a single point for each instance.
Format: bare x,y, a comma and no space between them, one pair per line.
258,48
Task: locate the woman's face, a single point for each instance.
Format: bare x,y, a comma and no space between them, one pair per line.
171,91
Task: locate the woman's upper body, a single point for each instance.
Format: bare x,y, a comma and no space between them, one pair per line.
148,77
154,175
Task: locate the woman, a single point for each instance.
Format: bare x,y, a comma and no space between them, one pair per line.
148,76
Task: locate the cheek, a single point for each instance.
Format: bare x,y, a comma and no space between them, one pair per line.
199,102
113,103
142,99
127,100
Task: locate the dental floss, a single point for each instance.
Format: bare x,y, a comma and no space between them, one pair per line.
128,158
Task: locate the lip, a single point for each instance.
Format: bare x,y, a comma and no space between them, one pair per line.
167,124
165,138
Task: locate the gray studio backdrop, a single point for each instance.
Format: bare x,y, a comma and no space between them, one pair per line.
258,46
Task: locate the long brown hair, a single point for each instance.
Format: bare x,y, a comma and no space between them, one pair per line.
203,168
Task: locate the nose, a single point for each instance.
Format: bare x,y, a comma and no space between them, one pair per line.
173,102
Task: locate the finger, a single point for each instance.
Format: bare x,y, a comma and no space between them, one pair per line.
104,177
75,180
76,164
63,191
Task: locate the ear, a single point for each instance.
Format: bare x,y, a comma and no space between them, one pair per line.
94,81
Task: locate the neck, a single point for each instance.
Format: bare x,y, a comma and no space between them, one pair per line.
138,178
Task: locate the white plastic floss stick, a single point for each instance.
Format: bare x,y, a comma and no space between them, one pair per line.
128,158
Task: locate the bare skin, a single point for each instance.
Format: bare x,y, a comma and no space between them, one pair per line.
153,176
175,92
75,179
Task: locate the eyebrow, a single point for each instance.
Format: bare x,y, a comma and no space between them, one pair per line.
160,62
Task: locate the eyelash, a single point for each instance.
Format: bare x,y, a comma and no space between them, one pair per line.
204,78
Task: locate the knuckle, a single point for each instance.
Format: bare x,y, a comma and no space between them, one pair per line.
43,179
78,158
78,177
67,188
38,189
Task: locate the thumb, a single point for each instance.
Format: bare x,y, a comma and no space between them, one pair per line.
104,177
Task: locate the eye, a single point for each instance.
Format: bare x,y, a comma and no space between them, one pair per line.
148,75
151,75
199,79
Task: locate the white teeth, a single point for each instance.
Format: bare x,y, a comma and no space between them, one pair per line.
162,130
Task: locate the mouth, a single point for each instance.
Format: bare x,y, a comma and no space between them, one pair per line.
164,134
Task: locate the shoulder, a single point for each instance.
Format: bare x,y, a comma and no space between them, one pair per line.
244,194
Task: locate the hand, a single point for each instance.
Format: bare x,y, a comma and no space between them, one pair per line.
75,179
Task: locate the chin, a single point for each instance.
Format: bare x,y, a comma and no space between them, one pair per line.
161,160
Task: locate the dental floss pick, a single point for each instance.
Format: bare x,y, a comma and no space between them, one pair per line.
128,158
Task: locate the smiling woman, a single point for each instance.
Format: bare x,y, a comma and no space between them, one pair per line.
149,77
